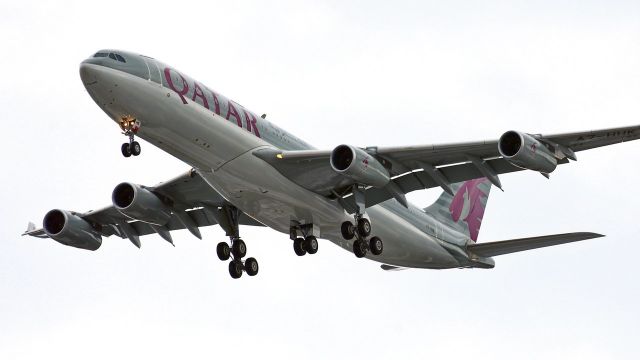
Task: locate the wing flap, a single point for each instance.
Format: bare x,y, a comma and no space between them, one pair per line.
510,246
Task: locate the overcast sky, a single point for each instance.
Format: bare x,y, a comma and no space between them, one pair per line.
331,72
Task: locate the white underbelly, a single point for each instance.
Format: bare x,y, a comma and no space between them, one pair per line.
263,193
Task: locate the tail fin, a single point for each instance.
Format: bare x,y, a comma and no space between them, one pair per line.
464,210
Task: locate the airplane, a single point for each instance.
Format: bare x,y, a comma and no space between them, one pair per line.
245,170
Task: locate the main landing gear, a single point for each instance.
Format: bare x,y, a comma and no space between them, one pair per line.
130,127
227,216
361,230
307,242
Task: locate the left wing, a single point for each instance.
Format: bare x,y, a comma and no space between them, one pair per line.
421,167
193,202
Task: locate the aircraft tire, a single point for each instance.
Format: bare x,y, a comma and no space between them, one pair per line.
359,248
239,249
347,230
235,269
251,266
224,251
376,245
298,247
126,150
135,148
364,227
311,244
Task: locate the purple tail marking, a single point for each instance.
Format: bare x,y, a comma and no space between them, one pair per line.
467,205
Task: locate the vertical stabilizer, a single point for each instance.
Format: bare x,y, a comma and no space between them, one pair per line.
465,209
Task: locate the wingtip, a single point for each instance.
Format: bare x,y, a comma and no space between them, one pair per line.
30,227
591,235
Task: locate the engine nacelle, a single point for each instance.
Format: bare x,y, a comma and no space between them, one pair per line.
526,152
358,165
72,230
141,204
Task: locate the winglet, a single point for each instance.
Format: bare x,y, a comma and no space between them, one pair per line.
33,231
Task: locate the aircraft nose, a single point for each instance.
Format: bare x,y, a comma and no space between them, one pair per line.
88,73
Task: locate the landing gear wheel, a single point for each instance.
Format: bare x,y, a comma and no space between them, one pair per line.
359,248
347,230
251,266
311,244
298,246
364,227
223,250
239,249
135,148
126,149
235,269
376,246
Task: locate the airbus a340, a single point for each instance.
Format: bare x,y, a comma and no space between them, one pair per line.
245,170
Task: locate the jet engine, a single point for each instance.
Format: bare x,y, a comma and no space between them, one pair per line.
526,152
141,204
358,165
72,230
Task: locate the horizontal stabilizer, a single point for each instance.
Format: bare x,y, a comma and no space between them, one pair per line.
510,246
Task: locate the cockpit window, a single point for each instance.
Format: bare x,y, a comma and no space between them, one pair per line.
100,54
117,57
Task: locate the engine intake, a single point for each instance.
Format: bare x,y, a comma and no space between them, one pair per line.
138,203
526,152
71,230
359,166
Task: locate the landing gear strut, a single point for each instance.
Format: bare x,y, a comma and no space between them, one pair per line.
227,216
362,228
307,243
130,127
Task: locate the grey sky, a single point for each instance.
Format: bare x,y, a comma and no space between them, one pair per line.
363,73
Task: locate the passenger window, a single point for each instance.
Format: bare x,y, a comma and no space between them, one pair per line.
113,56
120,58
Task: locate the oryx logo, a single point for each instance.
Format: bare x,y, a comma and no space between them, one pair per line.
365,162
467,206
534,147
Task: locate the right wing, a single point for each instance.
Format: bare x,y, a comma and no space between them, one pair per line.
510,246
194,204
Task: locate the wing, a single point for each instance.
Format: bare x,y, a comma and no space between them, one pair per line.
194,205
422,167
510,246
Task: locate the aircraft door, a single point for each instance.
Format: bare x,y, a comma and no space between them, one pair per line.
154,71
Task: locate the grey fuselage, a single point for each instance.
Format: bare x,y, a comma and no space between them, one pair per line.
217,137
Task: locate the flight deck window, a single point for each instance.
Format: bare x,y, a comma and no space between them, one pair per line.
113,56
100,54
120,58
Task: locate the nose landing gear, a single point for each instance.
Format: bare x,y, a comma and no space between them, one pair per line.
130,127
